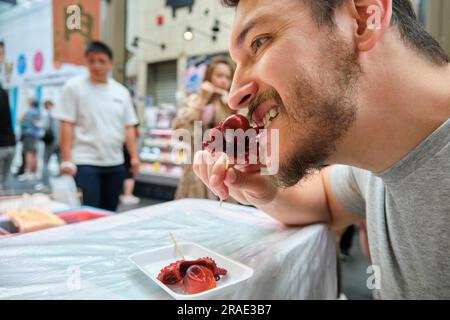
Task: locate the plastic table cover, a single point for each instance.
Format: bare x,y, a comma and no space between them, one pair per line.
90,260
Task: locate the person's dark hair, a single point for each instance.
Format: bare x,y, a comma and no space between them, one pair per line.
216,61
34,103
2,44
48,102
98,47
403,16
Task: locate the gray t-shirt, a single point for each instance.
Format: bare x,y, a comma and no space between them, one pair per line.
101,113
408,218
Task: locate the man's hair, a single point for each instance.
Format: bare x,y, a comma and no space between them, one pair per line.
98,47
403,16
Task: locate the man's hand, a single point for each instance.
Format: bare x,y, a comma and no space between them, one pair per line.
135,163
207,90
68,168
244,184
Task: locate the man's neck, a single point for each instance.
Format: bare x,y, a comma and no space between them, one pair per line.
99,81
402,101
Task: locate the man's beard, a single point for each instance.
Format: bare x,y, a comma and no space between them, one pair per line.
325,110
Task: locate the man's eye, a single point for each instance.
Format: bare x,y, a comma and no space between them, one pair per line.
258,43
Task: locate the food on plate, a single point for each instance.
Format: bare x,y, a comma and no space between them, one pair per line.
34,220
198,279
201,278
235,122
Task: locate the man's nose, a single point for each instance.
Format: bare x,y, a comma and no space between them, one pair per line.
240,97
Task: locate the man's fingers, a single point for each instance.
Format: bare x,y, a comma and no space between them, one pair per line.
200,166
210,168
217,176
250,182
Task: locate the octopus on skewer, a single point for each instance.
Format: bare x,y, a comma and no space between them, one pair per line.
235,122
195,275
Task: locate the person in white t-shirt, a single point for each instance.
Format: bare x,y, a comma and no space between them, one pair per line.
97,118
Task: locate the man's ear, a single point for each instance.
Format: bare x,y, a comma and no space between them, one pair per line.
373,18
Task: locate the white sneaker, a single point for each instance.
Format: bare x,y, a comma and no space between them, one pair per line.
129,200
27,177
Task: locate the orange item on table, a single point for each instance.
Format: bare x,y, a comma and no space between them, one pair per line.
34,220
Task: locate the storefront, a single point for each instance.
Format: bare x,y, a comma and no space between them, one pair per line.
30,71
170,48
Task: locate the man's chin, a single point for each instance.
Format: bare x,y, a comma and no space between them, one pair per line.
291,172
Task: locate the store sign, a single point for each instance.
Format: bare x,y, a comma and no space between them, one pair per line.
22,64
38,61
178,4
75,24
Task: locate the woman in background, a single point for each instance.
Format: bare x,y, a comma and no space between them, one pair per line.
32,132
209,106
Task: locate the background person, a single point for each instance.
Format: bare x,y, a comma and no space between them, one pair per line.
7,137
97,118
32,132
209,106
50,139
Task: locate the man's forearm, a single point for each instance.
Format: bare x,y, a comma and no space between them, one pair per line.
312,201
67,133
131,143
303,204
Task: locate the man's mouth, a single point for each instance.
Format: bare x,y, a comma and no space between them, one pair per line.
264,114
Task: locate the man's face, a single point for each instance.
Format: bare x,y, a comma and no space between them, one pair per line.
99,65
287,63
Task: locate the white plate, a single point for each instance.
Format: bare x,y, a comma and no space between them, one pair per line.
152,261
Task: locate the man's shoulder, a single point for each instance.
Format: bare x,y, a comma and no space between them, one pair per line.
356,177
76,82
118,87
353,171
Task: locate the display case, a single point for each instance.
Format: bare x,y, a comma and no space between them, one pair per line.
158,163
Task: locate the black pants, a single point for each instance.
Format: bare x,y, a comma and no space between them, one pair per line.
101,186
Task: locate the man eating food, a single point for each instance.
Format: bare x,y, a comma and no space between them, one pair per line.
360,86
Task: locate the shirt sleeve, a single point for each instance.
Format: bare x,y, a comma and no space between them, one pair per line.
347,189
66,109
130,113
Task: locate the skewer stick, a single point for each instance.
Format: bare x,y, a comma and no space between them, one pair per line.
177,248
227,165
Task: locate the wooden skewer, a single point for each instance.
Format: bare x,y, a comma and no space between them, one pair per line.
227,165
177,248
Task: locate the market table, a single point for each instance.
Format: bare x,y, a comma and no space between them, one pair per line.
90,260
